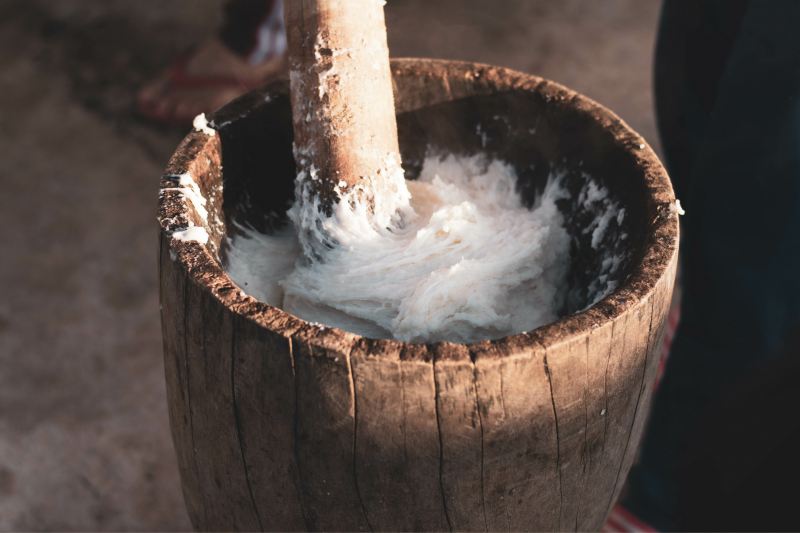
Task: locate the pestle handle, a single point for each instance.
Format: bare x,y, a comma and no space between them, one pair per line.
342,101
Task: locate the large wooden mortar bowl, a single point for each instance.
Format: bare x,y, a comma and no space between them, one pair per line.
280,424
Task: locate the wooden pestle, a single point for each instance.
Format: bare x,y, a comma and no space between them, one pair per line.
345,130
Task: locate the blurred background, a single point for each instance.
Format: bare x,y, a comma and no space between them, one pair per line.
84,433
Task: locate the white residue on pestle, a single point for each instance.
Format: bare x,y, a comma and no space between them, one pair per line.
676,207
190,190
332,73
459,258
351,218
192,233
325,65
201,124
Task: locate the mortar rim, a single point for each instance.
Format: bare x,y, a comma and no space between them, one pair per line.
660,236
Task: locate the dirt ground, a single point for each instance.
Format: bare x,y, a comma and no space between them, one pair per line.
84,434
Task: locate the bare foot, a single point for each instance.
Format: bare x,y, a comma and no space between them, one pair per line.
221,76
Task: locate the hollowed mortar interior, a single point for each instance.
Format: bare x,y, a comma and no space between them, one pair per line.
538,133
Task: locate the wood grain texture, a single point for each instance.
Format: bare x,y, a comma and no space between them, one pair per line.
279,424
659,303
568,363
172,281
397,440
326,430
265,403
521,485
460,429
224,485
600,474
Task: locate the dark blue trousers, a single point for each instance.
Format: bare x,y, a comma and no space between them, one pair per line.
721,448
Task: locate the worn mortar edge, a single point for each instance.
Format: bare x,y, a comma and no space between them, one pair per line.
203,269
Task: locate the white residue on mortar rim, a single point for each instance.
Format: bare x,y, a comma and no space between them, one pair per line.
190,190
192,233
201,124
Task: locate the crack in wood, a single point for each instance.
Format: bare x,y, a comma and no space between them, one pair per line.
403,405
502,394
605,388
355,434
160,277
558,440
189,394
239,423
480,421
584,455
441,445
635,411
505,417
302,490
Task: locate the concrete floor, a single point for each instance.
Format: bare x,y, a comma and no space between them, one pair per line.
84,434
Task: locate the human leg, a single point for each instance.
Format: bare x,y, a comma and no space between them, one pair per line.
741,256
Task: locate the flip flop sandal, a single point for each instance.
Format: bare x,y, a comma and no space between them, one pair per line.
179,78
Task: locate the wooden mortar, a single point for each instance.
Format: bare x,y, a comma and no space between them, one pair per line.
280,424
